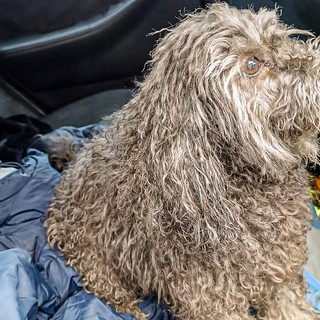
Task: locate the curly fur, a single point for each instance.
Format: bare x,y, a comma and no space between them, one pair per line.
197,190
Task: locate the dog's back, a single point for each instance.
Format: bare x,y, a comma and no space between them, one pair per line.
196,191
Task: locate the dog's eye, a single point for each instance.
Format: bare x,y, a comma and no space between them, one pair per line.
251,66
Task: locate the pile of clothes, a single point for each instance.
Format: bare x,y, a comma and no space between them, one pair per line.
16,134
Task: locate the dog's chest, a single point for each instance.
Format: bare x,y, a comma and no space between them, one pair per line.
271,205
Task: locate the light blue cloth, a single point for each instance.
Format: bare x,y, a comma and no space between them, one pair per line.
26,295
22,288
313,295
315,218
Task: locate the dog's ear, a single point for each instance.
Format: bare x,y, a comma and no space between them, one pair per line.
185,129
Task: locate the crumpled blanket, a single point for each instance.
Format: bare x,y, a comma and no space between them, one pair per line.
34,281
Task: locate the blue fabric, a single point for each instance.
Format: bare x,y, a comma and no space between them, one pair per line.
313,292
316,220
23,289
34,281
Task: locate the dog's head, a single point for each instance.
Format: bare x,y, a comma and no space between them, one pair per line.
231,99
245,79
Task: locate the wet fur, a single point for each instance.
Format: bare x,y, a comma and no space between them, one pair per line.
197,190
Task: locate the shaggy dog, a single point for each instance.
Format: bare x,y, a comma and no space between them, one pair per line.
197,190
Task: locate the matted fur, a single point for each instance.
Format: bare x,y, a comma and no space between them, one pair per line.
197,191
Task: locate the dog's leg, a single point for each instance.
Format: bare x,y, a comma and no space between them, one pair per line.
83,248
188,311
101,279
200,299
109,288
290,304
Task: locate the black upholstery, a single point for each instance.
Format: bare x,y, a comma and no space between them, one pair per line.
105,52
21,18
56,52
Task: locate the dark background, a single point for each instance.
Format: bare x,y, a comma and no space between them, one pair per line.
71,61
